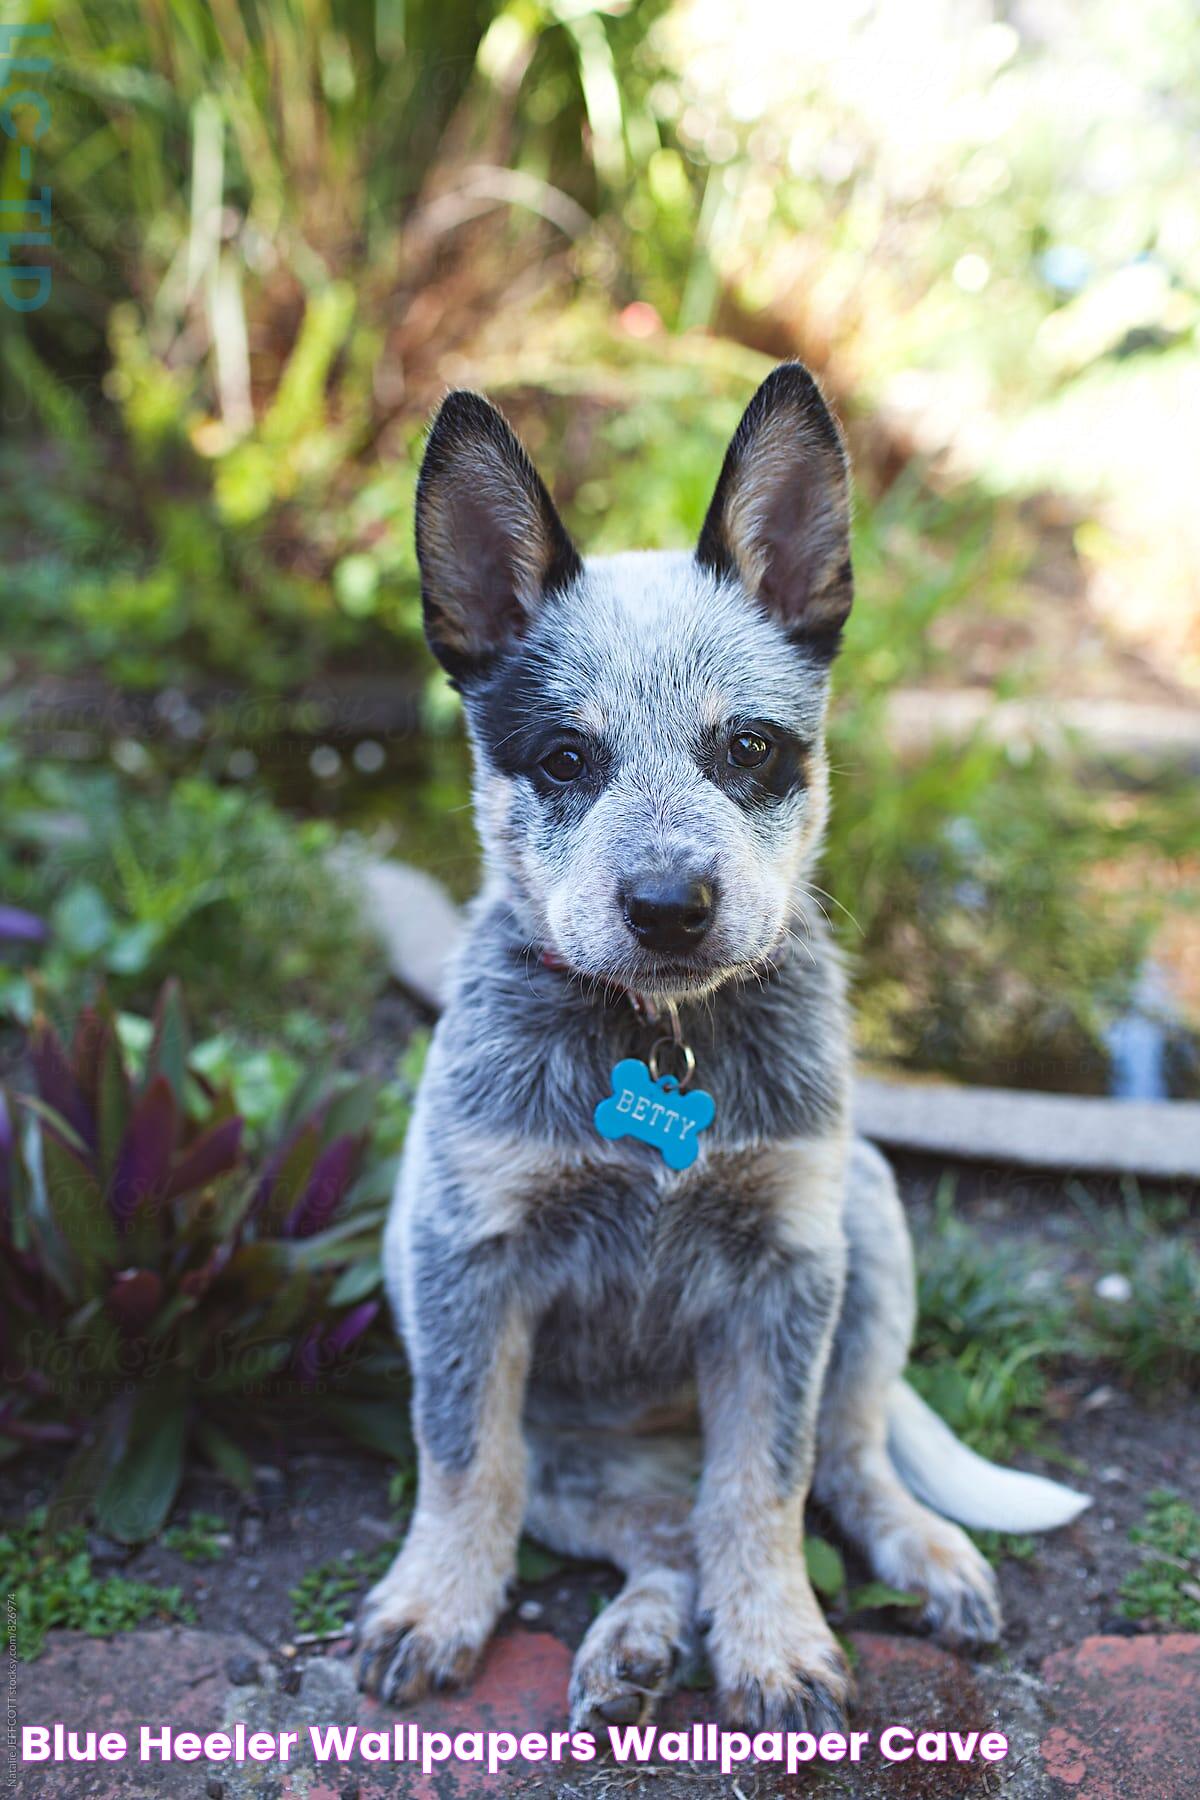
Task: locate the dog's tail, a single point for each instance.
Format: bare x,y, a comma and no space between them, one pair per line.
417,923
937,1469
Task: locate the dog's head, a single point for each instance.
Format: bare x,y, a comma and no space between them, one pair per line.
651,776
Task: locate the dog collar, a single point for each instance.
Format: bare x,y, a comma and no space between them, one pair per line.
655,1012
642,1005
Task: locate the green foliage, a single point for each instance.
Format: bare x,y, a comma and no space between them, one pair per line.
636,496
827,1572
874,1596
537,1564
988,1326
51,1581
1166,1586
995,1322
171,1278
966,869
402,1488
1153,1337
978,1293
210,884
991,1401
203,1539
320,128
237,196
323,1600
996,1545
277,233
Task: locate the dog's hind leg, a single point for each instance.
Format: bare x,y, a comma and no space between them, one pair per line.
626,1501
908,1546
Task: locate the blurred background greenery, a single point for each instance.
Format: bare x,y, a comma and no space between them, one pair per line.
282,227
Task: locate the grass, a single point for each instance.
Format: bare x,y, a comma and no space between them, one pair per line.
974,1293
996,1322
987,1332
322,1600
55,1587
204,1538
996,1545
1166,1586
1153,1336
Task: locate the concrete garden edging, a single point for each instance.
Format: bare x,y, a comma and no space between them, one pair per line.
1159,1139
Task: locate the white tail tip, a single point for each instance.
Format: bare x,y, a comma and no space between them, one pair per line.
939,1470
413,915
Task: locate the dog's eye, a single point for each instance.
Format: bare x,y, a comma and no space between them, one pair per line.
748,750
563,764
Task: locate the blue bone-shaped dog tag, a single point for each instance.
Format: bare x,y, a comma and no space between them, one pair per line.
655,1112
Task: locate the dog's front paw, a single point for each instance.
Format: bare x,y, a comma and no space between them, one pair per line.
401,1660
778,1665
795,1701
421,1630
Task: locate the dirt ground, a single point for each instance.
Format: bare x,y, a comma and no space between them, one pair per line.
323,1501
327,1503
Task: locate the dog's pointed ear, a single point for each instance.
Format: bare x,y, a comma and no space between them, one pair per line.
489,542
780,516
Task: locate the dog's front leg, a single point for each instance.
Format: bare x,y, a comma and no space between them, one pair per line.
761,1366
424,1625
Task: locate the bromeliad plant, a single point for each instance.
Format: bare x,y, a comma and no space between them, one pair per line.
165,1282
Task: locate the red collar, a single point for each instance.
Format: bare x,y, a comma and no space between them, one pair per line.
642,1006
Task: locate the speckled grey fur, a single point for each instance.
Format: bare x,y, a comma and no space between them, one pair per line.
612,1286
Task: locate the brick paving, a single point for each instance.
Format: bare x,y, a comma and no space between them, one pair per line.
1110,1718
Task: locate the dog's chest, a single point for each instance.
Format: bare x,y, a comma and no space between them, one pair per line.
638,1256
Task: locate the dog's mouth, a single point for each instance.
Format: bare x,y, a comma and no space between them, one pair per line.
672,977
650,977
662,977
676,981
665,976
684,969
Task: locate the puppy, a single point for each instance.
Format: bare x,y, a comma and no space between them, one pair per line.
646,1335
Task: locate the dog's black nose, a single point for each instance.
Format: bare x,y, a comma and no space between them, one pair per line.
668,912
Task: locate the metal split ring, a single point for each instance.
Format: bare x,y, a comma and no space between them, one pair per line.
685,1051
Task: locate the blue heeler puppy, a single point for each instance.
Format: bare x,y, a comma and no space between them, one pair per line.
647,1365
